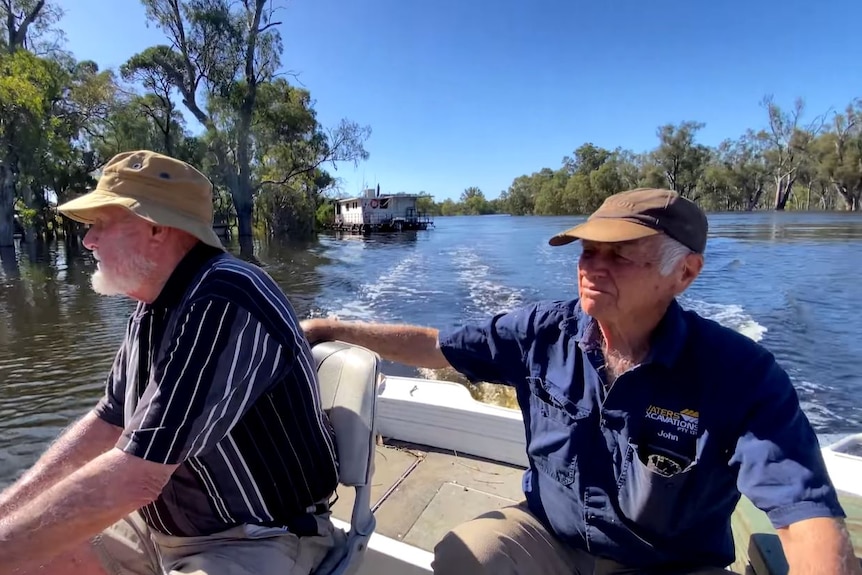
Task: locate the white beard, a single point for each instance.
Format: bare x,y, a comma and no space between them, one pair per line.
130,274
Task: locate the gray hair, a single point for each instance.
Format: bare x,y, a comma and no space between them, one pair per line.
671,253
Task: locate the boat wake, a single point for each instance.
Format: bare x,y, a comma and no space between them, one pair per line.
733,316
486,296
402,286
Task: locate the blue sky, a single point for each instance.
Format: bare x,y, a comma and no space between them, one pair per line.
477,92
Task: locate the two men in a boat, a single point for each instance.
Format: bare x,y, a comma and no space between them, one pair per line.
209,452
644,421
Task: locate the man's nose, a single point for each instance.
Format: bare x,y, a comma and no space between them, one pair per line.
90,239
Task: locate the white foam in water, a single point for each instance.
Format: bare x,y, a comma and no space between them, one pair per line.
395,284
486,295
732,316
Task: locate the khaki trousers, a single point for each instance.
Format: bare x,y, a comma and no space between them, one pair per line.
512,541
129,547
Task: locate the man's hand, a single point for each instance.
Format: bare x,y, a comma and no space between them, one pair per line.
819,546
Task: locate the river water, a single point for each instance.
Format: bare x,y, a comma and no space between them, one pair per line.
790,281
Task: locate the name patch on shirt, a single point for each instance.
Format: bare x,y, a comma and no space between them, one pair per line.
673,423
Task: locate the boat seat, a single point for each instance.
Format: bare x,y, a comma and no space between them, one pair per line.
349,376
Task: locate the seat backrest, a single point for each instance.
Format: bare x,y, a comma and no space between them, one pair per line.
349,376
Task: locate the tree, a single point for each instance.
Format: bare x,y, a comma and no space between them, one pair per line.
22,76
788,146
737,176
680,158
222,56
27,86
520,198
839,156
474,202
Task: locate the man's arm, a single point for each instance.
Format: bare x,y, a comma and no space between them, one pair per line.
407,344
819,546
782,471
82,442
84,503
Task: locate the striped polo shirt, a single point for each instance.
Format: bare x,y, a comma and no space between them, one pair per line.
216,375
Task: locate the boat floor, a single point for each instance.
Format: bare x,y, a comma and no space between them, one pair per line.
419,493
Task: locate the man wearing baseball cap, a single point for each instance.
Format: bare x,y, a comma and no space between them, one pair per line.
209,452
644,421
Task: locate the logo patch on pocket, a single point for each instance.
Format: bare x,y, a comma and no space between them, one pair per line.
673,422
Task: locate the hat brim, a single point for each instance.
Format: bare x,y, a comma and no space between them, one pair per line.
85,208
604,230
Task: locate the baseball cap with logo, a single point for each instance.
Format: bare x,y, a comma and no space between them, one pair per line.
641,213
155,187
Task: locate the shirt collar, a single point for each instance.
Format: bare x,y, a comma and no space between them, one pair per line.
668,338
183,275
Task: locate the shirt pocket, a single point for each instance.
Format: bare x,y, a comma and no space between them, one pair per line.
657,503
557,429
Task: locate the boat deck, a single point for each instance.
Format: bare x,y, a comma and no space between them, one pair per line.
420,493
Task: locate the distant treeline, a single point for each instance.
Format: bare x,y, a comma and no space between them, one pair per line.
787,165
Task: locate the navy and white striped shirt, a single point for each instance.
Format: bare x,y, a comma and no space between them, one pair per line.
217,376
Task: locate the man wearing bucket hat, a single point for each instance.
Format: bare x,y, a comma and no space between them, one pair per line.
209,452
644,422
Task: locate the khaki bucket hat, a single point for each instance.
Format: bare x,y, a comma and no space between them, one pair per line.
641,213
155,187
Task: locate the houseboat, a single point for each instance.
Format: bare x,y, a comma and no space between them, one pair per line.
376,212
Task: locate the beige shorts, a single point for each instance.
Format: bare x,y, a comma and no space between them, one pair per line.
129,547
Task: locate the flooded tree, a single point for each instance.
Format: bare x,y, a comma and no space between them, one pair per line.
222,58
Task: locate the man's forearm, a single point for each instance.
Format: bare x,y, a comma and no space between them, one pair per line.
819,546
407,344
85,440
72,511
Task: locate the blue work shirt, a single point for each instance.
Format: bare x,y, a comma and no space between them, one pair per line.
708,399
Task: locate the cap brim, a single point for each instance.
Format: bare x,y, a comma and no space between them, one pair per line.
83,209
604,230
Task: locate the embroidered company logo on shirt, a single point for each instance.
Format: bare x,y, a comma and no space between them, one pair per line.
684,421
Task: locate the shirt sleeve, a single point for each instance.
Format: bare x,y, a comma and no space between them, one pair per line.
219,359
110,407
781,467
493,351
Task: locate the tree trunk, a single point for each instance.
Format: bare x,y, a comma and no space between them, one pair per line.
783,189
850,197
7,205
9,262
243,201
754,198
30,223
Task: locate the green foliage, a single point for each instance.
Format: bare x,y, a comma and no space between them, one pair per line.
265,143
325,214
785,165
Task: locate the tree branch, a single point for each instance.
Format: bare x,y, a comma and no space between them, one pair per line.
21,33
293,173
268,26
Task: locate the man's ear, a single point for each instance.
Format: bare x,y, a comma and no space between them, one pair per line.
692,266
160,234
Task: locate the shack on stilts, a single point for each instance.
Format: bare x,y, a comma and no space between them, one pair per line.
375,212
